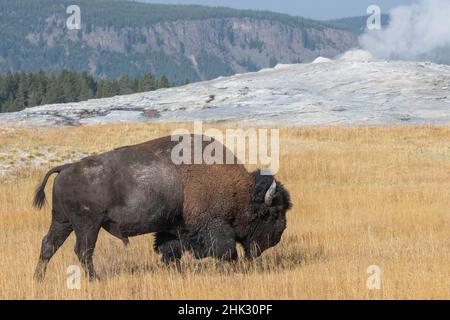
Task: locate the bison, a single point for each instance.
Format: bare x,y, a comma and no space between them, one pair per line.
134,190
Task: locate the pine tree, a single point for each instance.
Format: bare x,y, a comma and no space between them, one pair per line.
3,92
87,87
70,86
10,84
55,92
37,89
113,88
20,90
21,96
135,85
125,85
8,106
107,88
147,83
101,89
163,82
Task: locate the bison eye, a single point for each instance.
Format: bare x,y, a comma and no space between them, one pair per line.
274,213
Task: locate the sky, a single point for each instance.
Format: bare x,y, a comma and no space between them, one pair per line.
314,9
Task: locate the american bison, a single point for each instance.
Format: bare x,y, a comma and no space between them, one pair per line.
134,190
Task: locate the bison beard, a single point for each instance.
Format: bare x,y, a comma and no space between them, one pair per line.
133,190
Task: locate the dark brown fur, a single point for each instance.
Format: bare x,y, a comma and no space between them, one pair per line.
134,190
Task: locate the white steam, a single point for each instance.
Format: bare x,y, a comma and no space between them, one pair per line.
420,31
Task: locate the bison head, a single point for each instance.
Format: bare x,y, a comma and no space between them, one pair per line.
270,202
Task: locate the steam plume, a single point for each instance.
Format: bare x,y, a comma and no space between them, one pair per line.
420,31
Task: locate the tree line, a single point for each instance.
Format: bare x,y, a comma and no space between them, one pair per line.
20,90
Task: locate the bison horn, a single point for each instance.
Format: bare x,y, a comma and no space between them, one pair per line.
270,194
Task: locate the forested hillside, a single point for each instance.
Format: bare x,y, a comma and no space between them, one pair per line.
181,42
356,24
21,89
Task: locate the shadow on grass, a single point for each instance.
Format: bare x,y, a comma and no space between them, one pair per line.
293,252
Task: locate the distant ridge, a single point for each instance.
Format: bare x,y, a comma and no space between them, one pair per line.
183,42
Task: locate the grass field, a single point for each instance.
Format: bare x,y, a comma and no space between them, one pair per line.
362,196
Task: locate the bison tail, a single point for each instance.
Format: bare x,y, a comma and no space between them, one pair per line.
39,197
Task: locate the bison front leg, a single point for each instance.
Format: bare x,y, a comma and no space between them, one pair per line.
170,247
251,249
224,248
219,242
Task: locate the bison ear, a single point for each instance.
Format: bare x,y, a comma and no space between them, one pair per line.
270,194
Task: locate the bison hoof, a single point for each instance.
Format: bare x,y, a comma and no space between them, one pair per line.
93,278
39,276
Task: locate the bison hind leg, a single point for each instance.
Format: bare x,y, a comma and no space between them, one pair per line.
55,237
84,248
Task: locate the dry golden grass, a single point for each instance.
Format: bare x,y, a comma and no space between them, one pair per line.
362,196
